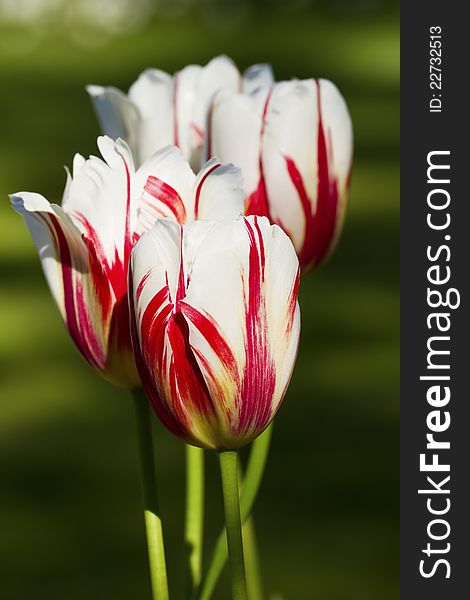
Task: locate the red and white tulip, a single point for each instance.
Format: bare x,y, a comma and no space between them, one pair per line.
85,244
293,142
161,109
216,326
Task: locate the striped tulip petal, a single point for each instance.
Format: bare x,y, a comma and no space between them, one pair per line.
296,159
77,280
85,245
172,190
165,182
216,326
216,181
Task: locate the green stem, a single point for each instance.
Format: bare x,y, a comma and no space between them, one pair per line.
253,572
194,522
228,460
251,484
153,522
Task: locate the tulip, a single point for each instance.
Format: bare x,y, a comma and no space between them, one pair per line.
293,142
161,109
216,326
85,244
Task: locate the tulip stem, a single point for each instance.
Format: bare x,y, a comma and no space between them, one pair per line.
153,522
228,460
249,490
194,522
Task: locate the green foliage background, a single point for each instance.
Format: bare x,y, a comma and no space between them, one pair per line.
327,515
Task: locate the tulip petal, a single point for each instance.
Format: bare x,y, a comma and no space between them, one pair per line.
289,132
256,77
153,94
219,192
195,87
101,204
188,135
298,153
164,184
244,282
220,73
236,123
165,362
338,130
67,266
117,114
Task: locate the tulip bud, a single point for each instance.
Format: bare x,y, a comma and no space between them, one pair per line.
216,326
293,142
161,109
85,244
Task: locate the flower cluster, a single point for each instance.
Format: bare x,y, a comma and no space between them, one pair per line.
187,284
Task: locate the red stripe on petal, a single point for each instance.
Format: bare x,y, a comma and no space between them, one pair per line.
127,230
327,192
116,273
308,251
209,330
87,330
181,286
320,226
199,134
146,376
187,380
168,368
257,202
199,189
259,377
293,301
101,283
110,285
75,308
140,287
168,196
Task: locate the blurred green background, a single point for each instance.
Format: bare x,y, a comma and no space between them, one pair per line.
70,508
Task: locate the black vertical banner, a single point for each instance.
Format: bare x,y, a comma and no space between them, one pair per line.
435,312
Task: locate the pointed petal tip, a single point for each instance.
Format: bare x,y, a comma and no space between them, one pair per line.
222,58
95,90
254,71
29,202
106,143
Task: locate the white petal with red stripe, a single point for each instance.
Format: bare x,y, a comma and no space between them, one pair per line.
165,185
339,138
67,264
100,201
291,123
306,156
244,280
218,192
